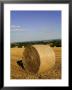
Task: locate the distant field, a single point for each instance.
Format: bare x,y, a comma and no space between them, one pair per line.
18,73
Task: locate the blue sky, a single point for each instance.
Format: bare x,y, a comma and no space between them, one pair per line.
35,25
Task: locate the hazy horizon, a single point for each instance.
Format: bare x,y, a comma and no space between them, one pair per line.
35,25
35,41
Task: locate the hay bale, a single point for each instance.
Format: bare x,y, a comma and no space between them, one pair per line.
22,46
38,58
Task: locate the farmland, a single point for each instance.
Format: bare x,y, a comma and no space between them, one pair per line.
18,73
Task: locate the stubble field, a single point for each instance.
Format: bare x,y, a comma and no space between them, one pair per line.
18,73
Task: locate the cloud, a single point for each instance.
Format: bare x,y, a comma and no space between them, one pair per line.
15,26
17,30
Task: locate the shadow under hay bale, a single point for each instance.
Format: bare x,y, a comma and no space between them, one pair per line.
20,63
38,58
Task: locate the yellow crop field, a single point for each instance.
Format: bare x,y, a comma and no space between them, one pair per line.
18,73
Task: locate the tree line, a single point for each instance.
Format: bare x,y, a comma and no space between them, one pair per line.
52,43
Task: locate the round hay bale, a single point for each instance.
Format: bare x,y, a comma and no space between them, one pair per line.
38,58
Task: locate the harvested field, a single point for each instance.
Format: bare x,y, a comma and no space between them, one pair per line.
19,73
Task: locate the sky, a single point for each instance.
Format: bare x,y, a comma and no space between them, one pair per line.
35,25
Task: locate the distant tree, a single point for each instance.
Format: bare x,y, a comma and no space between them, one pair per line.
19,45
12,45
